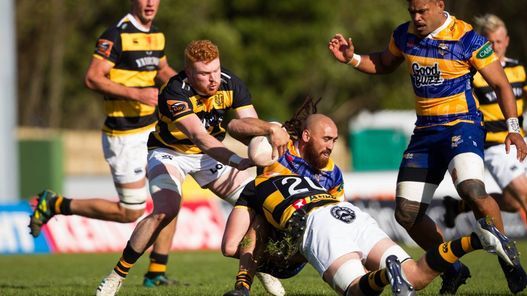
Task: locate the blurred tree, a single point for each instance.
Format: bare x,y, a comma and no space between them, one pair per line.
279,48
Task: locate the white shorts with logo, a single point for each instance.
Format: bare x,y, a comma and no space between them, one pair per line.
502,166
126,156
203,168
336,230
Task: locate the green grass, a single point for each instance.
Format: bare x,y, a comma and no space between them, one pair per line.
202,273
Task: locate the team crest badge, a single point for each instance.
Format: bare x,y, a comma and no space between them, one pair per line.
343,214
218,99
443,48
456,141
104,47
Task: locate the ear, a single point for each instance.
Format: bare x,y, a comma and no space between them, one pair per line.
305,135
441,4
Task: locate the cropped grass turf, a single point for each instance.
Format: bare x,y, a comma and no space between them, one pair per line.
200,273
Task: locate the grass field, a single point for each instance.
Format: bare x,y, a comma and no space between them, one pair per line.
201,273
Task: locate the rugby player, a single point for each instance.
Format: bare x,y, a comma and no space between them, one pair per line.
343,243
507,170
313,138
442,54
187,141
128,62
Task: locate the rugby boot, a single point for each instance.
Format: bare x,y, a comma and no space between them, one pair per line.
515,275
43,211
110,285
453,278
158,280
451,206
399,283
238,291
271,284
494,241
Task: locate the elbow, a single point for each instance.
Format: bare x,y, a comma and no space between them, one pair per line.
89,82
231,127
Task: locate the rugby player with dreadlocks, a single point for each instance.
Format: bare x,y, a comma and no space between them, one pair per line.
298,215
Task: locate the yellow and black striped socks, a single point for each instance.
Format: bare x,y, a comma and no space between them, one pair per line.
158,265
244,279
447,253
60,205
373,282
126,261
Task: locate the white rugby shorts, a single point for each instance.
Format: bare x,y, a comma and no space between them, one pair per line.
126,156
502,166
203,168
336,230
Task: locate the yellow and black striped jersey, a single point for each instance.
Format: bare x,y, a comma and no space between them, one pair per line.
135,53
329,177
277,197
441,67
493,117
178,99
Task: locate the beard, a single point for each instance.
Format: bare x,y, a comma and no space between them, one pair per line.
315,158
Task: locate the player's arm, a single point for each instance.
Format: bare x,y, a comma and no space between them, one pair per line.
96,79
374,63
165,72
247,125
191,126
495,76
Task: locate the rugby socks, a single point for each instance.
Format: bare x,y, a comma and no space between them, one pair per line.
374,282
244,279
62,205
158,265
126,261
448,253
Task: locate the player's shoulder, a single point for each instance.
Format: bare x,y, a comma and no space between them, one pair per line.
228,76
402,29
509,62
178,84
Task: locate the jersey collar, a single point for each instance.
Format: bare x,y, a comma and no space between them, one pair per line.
136,23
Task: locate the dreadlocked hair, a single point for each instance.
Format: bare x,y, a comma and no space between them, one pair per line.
295,125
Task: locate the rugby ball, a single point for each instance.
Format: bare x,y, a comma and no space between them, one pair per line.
260,151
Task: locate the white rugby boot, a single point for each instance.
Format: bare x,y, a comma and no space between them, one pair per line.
110,285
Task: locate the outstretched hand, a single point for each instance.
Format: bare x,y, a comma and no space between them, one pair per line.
341,48
517,140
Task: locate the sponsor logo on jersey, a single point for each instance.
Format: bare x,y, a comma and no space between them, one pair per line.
104,47
485,51
343,214
426,75
177,107
148,62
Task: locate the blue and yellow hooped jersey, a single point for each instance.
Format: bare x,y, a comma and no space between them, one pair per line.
178,99
493,117
278,196
329,177
441,67
135,53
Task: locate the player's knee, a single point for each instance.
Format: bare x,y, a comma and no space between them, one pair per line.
406,213
472,191
229,249
129,216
